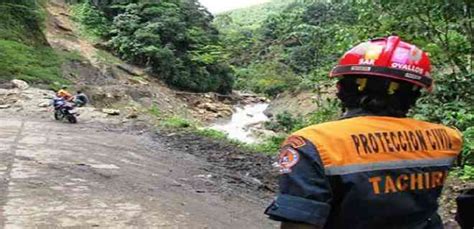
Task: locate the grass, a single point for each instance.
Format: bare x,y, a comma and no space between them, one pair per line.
176,122
22,22
37,65
210,133
24,51
71,56
155,111
107,58
269,146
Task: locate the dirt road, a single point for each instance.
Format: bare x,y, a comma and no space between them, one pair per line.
58,175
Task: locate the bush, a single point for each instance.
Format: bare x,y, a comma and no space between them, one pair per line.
176,122
467,156
467,173
452,103
269,146
174,39
93,21
328,111
285,122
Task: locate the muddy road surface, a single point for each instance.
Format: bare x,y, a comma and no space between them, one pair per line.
56,175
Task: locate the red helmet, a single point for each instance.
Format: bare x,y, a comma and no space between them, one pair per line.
390,58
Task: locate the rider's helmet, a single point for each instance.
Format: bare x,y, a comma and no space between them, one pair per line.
389,58
385,74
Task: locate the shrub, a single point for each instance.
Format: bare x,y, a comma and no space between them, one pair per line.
269,146
93,21
176,122
285,122
174,39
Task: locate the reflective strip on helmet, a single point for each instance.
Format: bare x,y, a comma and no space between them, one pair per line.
382,71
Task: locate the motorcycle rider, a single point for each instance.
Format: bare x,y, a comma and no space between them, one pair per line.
63,93
374,168
58,102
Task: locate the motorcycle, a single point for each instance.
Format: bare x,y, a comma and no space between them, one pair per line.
64,110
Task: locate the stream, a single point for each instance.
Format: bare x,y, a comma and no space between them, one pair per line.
239,126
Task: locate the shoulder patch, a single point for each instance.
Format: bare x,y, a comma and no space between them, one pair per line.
295,142
288,158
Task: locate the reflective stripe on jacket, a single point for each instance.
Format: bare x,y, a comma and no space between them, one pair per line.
365,172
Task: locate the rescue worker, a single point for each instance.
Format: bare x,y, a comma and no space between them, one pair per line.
63,93
373,168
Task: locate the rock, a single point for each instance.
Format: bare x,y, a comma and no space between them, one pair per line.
62,26
209,107
64,14
7,85
101,45
20,84
132,116
5,106
43,104
111,111
227,113
130,69
137,81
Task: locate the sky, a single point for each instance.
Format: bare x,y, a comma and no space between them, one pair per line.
218,6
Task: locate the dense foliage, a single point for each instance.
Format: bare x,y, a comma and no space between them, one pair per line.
24,52
295,47
173,38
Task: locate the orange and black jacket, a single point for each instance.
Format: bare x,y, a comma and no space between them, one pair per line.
365,172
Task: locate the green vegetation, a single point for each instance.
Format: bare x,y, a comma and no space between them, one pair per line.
297,43
210,133
176,122
106,57
289,45
93,23
270,146
24,52
32,64
155,111
174,39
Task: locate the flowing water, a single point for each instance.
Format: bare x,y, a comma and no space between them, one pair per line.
239,126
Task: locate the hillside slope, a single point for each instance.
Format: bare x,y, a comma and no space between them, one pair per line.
24,51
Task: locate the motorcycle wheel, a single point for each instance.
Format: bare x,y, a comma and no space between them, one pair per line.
58,115
72,119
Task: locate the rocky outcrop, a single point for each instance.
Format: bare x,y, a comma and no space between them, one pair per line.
130,69
20,84
112,112
211,106
298,103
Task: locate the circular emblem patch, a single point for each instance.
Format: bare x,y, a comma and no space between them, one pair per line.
288,158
